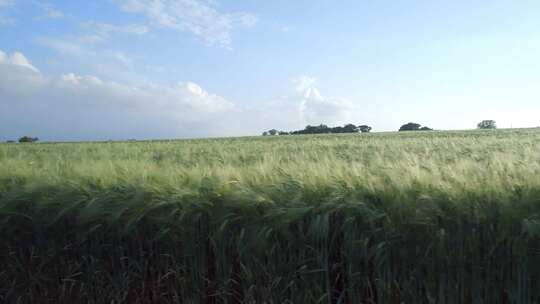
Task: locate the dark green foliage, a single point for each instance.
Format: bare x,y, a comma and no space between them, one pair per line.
320,129
364,128
274,132
350,128
411,126
487,124
28,139
324,129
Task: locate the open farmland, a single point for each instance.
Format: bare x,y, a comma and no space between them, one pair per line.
412,217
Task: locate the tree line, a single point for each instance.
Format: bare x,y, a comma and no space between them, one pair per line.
351,128
322,129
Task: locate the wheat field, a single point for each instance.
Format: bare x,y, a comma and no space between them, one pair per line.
408,217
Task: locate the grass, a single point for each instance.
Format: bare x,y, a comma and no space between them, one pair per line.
421,217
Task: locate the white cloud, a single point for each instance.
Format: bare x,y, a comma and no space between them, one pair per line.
96,58
76,107
86,107
89,46
304,83
86,52
94,33
198,17
16,59
101,31
314,108
122,58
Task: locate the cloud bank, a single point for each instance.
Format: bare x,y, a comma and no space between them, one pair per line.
76,107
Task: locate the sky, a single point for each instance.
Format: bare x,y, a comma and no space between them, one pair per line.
155,69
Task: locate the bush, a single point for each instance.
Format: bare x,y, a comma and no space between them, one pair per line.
411,126
487,124
28,139
364,128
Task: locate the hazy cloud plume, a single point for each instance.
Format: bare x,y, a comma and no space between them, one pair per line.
198,17
101,31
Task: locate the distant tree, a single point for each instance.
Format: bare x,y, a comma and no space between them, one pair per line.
283,133
28,139
364,128
10,141
265,133
320,129
426,129
411,126
272,132
350,128
337,130
487,124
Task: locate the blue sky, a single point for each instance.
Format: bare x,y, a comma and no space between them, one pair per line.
115,69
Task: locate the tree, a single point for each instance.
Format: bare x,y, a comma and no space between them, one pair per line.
411,126
265,133
350,128
272,132
283,133
28,139
364,128
320,129
337,130
487,124
426,129
10,141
